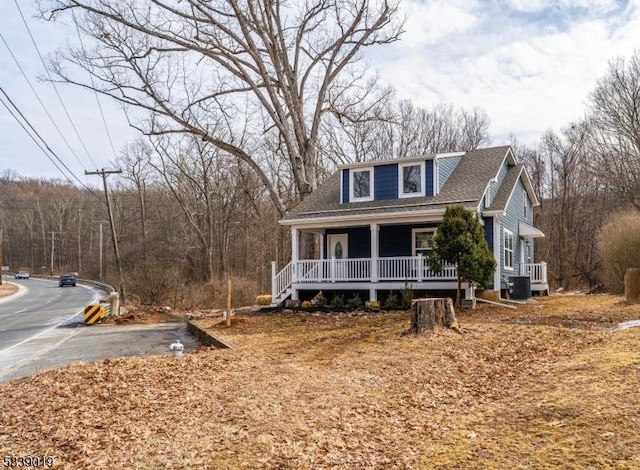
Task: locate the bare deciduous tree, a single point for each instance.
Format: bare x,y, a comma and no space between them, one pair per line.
615,118
229,72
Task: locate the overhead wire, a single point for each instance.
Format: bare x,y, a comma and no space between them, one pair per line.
64,107
24,75
93,86
31,133
46,69
32,138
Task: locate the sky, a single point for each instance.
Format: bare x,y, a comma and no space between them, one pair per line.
529,64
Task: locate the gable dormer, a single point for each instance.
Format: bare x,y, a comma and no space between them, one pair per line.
396,179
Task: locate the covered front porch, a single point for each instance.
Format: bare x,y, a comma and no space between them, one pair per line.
377,274
378,257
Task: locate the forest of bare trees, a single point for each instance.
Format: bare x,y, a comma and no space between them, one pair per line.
243,109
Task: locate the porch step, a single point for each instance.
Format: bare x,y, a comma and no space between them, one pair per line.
281,298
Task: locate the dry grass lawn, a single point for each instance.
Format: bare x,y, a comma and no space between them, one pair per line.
550,385
7,289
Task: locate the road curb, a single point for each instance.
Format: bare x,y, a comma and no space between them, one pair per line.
206,337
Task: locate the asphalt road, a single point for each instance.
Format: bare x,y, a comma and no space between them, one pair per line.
42,327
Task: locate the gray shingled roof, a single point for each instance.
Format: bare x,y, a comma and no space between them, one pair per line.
465,186
501,198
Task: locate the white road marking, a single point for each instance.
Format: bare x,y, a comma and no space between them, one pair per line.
22,352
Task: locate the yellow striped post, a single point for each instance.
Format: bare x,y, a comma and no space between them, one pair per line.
93,313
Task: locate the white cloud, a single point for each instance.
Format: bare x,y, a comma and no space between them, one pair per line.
432,22
527,75
536,6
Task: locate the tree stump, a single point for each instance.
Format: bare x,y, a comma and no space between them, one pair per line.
632,285
426,314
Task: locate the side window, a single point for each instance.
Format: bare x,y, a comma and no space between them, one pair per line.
525,205
361,185
508,249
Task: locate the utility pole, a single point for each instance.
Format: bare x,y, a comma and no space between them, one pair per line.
1,259
104,173
101,249
53,249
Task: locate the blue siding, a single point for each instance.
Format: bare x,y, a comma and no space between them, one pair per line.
395,240
514,214
488,235
386,182
429,177
488,231
359,241
345,186
445,168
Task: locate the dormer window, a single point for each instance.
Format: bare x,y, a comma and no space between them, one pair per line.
362,184
411,179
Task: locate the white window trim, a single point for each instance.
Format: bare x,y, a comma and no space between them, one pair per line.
420,230
423,179
506,232
525,206
352,198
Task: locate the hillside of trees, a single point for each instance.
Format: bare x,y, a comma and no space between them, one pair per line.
243,110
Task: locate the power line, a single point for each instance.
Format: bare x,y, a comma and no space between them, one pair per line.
34,140
42,140
35,45
93,86
40,100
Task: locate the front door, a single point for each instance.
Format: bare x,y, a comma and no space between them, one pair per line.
339,250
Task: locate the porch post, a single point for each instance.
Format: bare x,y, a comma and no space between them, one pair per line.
274,294
294,253
374,254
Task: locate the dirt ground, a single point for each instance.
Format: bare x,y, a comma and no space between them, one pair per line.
552,384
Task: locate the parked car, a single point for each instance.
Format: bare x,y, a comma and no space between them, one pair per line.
67,280
22,275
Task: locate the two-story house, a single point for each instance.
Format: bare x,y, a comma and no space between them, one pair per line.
376,222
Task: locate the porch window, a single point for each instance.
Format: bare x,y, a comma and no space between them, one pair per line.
411,179
508,249
423,242
361,185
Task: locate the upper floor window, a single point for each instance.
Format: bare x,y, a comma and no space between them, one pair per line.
524,204
362,185
411,179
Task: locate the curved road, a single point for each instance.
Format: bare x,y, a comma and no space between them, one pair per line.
39,306
42,327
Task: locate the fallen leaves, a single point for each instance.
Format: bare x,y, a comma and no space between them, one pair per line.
349,391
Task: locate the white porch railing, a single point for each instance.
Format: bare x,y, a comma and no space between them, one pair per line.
281,281
402,268
537,272
399,268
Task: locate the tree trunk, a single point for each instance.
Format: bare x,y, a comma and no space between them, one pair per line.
426,314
